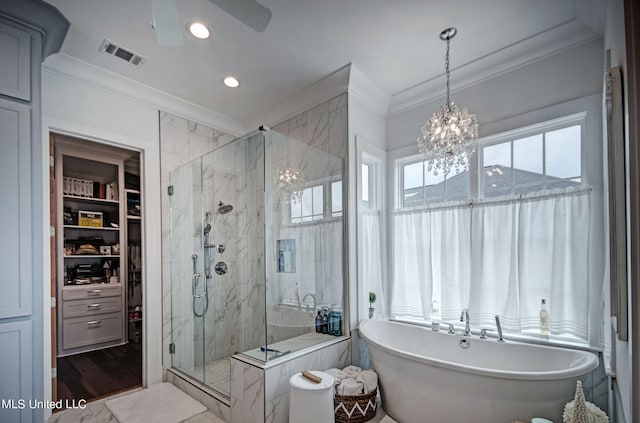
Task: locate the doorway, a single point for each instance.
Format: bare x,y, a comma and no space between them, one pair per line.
96,269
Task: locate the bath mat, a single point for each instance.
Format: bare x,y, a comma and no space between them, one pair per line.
161,403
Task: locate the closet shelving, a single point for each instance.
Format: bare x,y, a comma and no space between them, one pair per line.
93,231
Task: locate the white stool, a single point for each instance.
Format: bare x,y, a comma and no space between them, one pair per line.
311,402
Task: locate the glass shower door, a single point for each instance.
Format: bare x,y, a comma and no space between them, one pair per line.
188,282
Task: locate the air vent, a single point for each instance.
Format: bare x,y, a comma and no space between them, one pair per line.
117,51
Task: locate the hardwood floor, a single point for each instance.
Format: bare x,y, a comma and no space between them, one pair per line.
96,374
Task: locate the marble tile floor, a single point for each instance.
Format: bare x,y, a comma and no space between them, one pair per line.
217,375
97,412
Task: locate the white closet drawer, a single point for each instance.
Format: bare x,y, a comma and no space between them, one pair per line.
83,331
91,307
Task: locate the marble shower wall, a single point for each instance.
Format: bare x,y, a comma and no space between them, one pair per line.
181,142
207,166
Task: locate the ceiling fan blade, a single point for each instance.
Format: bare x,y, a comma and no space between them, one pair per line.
249,12
166,22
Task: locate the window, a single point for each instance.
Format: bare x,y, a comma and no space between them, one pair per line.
317,202
366,188
309,207
535,159
421,187
336,199
536,162
456,245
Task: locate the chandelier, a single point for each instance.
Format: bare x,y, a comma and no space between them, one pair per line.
448,136
289,183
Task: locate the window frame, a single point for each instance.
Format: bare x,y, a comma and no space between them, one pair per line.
576,119
327,196
476,176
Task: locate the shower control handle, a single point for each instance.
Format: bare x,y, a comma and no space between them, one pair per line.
218,247
221,268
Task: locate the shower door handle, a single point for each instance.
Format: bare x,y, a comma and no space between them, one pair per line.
194,285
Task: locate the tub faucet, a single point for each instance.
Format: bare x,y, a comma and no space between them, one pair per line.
499,327
314,300
464,317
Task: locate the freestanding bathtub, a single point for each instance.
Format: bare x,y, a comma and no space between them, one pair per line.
427,376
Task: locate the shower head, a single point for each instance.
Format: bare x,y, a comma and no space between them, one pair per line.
206,229
224,208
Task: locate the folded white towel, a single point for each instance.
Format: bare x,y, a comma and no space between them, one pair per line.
338,375
350,386
352,371
369,380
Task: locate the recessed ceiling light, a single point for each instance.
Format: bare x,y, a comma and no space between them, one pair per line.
231,82
199,30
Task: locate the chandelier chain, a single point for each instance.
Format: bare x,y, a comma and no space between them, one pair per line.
446,66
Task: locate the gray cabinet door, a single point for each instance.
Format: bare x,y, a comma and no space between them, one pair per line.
15,66
15,209
16,371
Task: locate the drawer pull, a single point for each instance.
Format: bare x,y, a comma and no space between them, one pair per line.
94,292
94,306
94,322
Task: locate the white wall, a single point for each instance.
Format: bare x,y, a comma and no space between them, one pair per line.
556,79
85,101
73,106
368,106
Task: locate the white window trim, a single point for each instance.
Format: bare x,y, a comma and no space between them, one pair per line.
527,131
375,168
326,201
476,161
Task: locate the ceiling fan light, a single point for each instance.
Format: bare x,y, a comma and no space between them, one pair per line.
199,30
231,82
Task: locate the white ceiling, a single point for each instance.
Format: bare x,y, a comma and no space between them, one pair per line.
393,42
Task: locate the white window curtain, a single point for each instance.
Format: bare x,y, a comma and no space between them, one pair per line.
319,267
371,265
431,251
497,257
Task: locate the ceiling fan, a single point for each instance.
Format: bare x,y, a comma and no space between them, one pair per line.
169,31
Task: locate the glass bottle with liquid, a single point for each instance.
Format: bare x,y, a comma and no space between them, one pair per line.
544,320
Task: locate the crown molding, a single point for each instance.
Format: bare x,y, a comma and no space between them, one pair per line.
560,38
66,66
365,90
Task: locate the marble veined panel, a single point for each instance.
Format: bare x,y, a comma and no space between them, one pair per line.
173,134
317,134
247,393
277,386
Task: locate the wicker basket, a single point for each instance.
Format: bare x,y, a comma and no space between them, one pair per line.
355,408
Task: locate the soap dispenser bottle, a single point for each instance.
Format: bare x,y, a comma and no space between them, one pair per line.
544,320
325,321
319,322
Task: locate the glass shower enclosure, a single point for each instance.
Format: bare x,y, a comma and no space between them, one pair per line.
256,254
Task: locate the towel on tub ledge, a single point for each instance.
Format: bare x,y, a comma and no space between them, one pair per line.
369,380
352,371
338,375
